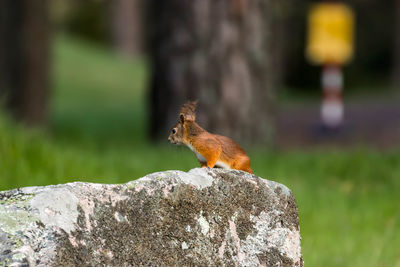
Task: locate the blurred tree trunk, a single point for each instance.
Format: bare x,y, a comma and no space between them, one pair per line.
24,59
396,71
221,53
282,32
127,26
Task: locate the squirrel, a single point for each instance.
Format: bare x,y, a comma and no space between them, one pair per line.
211,150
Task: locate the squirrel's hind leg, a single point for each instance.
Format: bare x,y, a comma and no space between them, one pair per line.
244,165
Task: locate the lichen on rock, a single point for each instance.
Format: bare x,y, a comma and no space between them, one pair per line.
205,217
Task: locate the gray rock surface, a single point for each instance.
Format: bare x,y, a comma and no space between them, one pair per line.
206,217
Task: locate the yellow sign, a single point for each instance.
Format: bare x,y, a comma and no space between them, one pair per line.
330,34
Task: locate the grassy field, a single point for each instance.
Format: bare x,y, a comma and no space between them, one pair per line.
349,201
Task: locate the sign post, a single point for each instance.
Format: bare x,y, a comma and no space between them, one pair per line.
330,44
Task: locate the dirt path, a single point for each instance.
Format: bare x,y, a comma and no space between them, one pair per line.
370,123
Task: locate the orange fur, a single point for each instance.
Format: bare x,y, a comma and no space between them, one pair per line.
214,149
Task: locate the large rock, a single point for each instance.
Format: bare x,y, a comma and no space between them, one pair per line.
200,218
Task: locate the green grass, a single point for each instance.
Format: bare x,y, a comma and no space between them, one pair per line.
349,203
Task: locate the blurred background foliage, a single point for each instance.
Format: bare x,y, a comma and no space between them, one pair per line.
374,60
97,120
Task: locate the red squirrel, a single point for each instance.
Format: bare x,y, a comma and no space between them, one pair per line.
211,150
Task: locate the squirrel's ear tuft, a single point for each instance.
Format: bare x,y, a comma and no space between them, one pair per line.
188,110
192,104
181,118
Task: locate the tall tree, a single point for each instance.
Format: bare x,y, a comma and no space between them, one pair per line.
219,52
127,26
24,59
396,70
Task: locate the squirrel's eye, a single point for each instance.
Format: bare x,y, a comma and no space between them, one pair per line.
173,131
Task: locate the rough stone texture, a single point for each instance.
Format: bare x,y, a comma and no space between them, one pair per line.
200,218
